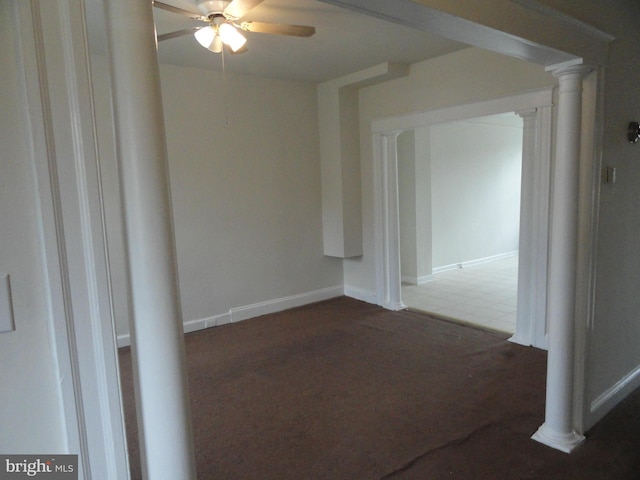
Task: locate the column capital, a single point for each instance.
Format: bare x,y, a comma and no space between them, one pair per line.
392,134
527,113
564,69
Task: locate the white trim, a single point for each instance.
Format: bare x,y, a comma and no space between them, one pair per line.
477,261
284,303
379,201
418,280
473,28
387,221
534,228
541,213
614,395
214,321
29,48
199,324
523,101
124,340
61,122
562,65
254,310
189,326
540,100
593,91
446,268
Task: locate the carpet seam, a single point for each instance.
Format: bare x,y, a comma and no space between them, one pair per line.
454,442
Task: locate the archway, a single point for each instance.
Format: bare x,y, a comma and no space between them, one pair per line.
536,110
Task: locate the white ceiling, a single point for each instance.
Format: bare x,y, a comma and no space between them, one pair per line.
345,41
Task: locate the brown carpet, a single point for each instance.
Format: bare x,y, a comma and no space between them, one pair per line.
346,390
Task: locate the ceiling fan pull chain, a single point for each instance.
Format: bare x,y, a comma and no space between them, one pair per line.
224,91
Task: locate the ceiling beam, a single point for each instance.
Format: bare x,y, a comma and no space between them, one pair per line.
524,29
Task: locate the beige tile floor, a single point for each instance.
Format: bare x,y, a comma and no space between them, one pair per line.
484,295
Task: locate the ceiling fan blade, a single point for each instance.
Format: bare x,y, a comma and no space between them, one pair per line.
278,29
239,8
179,33
179,11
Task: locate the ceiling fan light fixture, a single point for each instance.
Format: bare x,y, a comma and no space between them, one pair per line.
205,36
216,45
231,36
207,7
222,29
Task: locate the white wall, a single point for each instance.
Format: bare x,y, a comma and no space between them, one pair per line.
414,196
469,198
408,206
475,187
466,76
31,413
245,189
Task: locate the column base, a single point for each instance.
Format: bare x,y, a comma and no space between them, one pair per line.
565,442
395,306
520,340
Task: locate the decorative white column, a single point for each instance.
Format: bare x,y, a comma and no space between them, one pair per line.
392,294
524,323
161,388
557,430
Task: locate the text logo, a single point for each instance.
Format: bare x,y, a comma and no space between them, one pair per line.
51,467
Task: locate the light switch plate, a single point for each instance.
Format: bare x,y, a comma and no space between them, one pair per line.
609,175
7,323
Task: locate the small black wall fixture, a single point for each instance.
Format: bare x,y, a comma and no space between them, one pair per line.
633,134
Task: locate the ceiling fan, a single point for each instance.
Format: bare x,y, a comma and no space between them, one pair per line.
224,25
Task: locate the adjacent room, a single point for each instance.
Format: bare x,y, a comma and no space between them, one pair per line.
461,260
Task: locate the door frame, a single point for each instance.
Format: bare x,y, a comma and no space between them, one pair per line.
531,322
51,45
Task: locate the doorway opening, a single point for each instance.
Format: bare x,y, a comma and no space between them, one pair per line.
391,145
459,212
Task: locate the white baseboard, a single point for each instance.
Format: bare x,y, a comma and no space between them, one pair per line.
279,304
417,280
477,261
614,395
425,279
201,323
360,294
251,311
